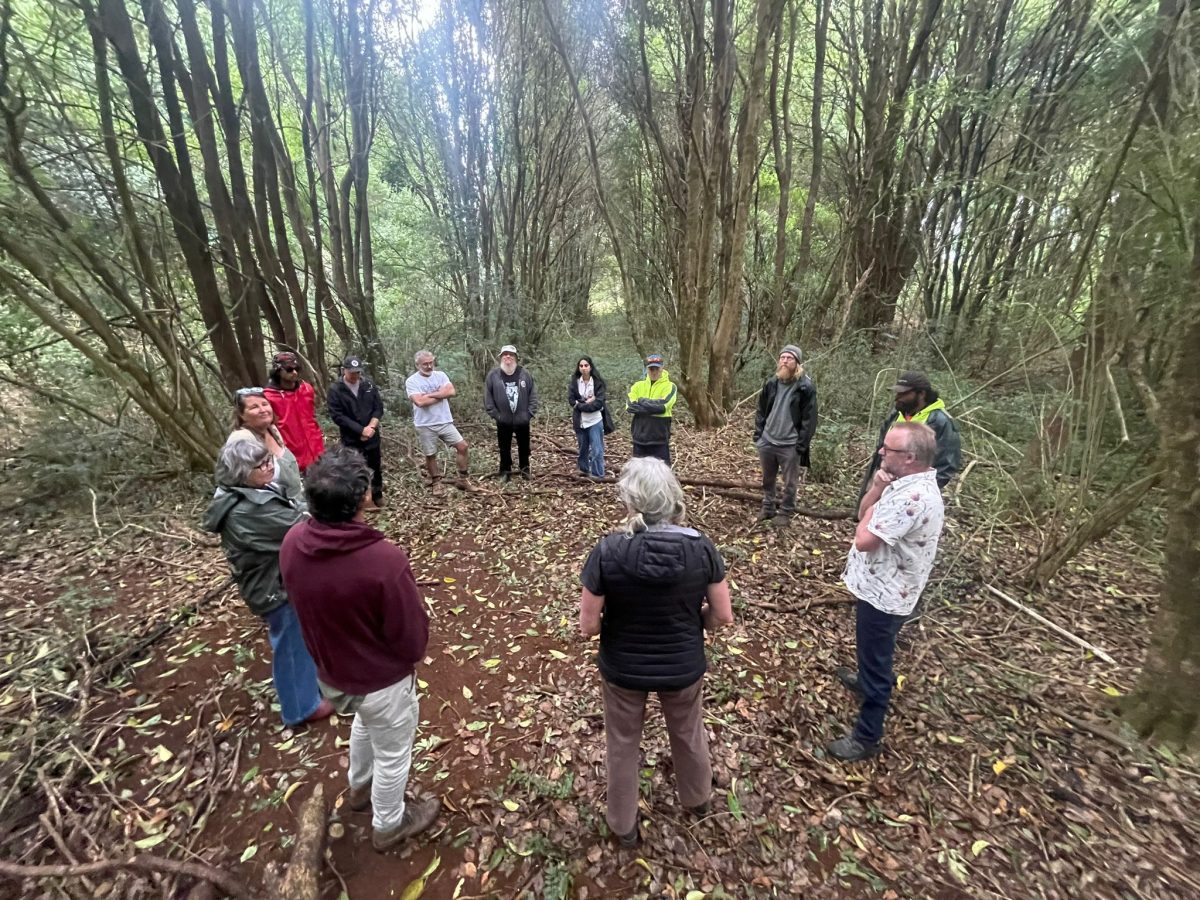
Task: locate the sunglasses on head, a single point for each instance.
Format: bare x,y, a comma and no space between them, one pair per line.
249,392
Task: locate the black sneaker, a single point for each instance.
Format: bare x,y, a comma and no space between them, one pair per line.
524,473
631,840
849,678
851,749
504,475
700,810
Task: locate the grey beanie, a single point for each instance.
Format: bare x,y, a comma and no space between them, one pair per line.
794,350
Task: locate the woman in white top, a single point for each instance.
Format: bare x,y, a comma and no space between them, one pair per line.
254,420
589,415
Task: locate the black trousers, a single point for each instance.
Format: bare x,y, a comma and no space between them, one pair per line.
658,451
374,457
504,436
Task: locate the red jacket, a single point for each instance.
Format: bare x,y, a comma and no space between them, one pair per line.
363,619
296,418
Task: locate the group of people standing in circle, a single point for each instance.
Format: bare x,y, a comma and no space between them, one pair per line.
348,626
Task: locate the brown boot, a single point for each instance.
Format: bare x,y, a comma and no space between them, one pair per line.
360,797
463,483
418,816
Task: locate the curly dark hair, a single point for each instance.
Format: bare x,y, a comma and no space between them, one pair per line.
335,485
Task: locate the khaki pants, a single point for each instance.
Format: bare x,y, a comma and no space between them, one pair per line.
624,714
381,742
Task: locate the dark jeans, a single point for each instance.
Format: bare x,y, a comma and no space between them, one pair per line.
292,667
658,451
504,436
875,634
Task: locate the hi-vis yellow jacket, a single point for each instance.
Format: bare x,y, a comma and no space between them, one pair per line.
650,404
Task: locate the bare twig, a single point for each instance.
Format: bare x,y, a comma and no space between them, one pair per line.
1058,629
141,862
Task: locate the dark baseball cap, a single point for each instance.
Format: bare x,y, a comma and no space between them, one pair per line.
912,381
352,364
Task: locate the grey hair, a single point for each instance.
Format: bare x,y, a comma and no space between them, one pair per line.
422,353
920,441
650,491
237,459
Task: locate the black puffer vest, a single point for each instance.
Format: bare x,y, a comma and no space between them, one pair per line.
652,635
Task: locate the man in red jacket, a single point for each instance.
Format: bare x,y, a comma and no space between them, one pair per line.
294,402
365,624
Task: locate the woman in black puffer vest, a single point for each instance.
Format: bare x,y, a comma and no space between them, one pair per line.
650,591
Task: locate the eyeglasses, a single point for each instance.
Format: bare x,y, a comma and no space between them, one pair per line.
268,463
249,392
886,449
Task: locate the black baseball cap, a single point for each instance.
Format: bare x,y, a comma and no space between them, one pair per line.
352,364
912,381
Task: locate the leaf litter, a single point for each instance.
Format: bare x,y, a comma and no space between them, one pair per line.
990,783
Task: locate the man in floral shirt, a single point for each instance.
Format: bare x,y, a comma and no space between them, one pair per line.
900,521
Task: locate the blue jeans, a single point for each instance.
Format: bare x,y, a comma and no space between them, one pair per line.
292,667
591,449
875,635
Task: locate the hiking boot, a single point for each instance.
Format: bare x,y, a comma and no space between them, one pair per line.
849,678
323,711
631,840
782,521
700,810
766,515
418,816
524,473
504,475
851,749
360,797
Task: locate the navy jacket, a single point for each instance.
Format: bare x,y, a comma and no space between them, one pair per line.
351,414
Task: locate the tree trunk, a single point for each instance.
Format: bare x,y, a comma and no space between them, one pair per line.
1165,706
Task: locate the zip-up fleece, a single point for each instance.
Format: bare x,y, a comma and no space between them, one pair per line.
351,414
358,604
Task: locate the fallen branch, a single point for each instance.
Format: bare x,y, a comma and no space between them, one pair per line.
142,862
1058,629
817,601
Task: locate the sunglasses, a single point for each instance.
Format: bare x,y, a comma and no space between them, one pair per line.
291,368
249,392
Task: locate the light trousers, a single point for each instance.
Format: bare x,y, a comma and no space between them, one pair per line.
381,741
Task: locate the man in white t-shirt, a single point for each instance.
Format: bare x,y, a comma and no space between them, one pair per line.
430,391
900,522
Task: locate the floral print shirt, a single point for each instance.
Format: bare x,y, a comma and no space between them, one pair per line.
908,519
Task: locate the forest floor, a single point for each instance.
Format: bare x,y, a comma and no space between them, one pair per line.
135,702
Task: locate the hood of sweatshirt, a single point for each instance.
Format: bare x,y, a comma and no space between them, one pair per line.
320,539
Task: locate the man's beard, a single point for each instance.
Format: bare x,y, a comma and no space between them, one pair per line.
508,366
787,374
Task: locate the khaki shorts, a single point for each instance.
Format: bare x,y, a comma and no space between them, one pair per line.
429,435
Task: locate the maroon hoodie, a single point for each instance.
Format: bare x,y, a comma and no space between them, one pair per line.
362,616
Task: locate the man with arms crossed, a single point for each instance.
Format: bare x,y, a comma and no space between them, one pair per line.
430,392
900,521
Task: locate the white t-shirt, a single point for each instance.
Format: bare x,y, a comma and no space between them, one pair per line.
908,518
436,414
587,392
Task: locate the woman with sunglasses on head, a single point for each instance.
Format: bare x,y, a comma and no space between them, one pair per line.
254,420
587,395
252,514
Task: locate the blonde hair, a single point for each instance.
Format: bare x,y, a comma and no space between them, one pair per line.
651,493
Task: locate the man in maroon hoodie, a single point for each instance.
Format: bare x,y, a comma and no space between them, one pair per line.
366,627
